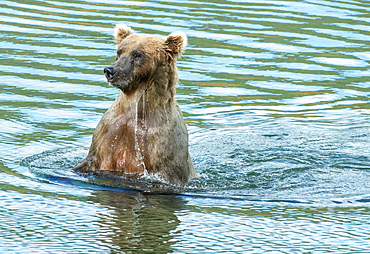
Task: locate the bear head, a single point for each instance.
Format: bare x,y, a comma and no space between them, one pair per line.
143,59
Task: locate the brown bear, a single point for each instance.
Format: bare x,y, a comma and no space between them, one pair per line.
143,132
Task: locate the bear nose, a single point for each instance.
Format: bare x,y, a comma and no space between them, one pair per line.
109,72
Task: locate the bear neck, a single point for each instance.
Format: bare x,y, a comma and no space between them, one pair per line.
153,94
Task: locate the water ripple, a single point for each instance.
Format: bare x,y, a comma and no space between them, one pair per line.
276,97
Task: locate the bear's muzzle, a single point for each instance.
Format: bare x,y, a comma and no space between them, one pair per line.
109,72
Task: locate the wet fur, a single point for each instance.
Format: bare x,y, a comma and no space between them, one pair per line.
143,132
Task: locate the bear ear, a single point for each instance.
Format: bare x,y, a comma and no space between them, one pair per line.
121,31
176,43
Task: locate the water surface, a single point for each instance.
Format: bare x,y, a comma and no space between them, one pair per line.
276,98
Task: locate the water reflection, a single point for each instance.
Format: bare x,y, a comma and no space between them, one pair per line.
104,221
138,222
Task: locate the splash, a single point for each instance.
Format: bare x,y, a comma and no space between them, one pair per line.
54,166
292,165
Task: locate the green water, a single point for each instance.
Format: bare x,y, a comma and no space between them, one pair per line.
276,98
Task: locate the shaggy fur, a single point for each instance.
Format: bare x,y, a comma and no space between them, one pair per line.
143,132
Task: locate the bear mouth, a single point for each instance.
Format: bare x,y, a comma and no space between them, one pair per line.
112,75
120,85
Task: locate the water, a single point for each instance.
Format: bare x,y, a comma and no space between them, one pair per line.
276,98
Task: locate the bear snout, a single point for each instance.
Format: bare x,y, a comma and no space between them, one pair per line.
109,72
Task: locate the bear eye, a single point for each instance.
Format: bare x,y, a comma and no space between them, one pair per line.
119,52
137,55
137,58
